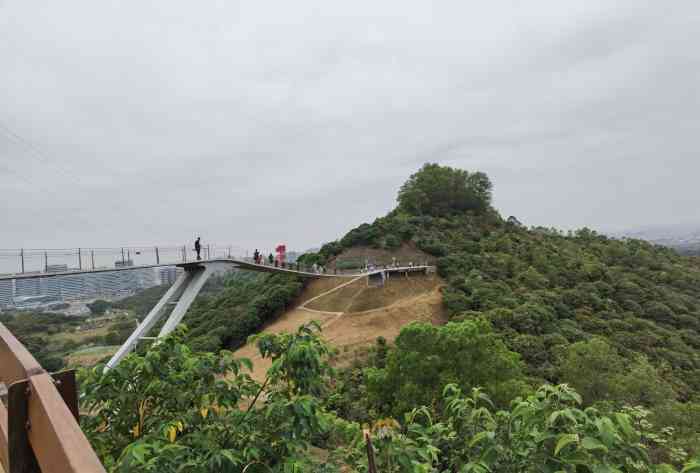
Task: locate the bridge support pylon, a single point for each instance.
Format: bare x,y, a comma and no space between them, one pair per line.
181,294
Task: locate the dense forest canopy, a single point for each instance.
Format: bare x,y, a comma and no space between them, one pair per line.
245,302
619,319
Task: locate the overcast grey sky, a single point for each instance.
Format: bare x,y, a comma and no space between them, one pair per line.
257,122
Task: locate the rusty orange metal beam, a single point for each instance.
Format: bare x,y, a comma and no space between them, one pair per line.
58,443
16,363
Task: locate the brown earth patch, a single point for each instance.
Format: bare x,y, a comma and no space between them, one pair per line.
316,287
340,300
405,301
396,288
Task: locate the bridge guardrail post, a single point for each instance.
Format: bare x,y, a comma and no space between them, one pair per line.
157,256
21,258
22,459
80,260
46,261
92,259
68,389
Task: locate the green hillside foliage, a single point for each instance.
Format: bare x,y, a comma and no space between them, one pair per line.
245,302
229,308
618,319
564,353
172,409
33,330
140,304
427,358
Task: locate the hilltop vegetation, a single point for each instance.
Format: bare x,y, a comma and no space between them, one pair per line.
617,319
564,352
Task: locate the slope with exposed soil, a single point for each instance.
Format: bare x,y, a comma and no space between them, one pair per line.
353,315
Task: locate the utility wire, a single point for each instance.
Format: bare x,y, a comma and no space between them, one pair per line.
35,151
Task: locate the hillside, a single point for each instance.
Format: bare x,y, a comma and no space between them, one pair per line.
530,350
617,319
354,315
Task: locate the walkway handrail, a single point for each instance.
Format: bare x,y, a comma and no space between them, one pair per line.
38,431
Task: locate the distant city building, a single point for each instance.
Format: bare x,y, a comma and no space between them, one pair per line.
27,287
6,293
105,284
51,286
167,275
146,278
73,287
77,286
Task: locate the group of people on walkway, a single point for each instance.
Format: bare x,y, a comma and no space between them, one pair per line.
270,260
258,258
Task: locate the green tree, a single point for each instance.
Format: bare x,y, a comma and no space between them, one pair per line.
171,409
442,190
545,432
599,373
99,307
592,367
428,357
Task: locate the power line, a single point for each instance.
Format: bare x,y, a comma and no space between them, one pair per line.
35,151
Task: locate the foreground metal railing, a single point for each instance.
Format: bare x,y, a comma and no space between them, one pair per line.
39,429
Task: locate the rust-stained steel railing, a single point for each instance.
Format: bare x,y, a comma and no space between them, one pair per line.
39,431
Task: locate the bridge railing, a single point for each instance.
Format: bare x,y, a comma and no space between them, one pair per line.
38,260
318,269
39,431
32,263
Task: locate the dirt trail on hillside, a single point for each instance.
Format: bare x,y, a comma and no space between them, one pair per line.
405,301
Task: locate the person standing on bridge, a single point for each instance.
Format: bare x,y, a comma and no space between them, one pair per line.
271,259
256,256
198,248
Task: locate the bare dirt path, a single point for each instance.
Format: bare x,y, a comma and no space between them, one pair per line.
350,330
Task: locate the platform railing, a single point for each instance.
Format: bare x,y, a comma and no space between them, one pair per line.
22,261
39,429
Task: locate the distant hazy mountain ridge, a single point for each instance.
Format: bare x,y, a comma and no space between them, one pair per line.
683,237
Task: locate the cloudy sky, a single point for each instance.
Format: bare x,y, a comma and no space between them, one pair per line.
255,122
